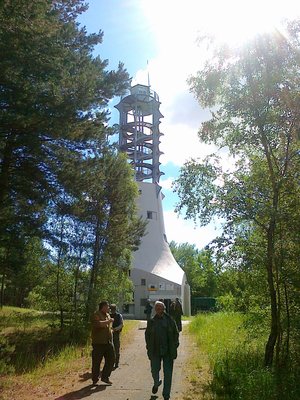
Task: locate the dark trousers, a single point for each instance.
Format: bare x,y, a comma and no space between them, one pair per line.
168,371
116,339
99,351
178,323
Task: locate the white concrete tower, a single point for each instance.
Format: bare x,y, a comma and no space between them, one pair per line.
155,272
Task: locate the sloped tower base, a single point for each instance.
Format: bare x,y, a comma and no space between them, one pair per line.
155,274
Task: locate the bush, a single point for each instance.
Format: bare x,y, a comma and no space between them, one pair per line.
226,302
6,353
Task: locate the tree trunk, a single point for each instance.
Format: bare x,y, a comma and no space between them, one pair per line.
2,288
76,278
58,266
5,170
273,336
288,328
61,312
93,277
4,276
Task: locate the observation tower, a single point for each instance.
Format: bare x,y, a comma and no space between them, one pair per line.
155,273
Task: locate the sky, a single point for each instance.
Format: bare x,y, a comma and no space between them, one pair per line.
159,38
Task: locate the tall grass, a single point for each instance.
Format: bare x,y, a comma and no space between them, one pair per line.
32,344
236,360
30,339
14,318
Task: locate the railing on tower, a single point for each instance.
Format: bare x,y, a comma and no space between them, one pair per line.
139,134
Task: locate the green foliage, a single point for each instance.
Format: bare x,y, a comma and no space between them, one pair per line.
25,276
253,95
6,354
226,302
23,319
200,268
217,333
32,343
62,184
207,278
30,338
236,357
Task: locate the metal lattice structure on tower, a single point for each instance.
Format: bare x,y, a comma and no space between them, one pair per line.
139,134
155,273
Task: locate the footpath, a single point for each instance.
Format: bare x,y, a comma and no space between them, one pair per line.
132,380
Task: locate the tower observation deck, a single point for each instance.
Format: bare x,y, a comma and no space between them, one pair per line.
139,134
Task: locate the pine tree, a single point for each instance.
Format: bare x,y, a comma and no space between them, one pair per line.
53,108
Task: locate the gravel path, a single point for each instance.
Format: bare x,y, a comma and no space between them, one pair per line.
132,380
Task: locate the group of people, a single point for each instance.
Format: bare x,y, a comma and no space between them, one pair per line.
161,336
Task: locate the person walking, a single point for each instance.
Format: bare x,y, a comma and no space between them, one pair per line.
102,343
176,313
162,340
117,327
148,310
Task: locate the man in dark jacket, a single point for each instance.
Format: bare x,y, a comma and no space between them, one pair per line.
117,327
148,310
176,313
161,342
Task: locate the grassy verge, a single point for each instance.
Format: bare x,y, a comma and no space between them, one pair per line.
62,363
36,355
235,359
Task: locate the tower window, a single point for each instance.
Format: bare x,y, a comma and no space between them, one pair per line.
151,215
143,282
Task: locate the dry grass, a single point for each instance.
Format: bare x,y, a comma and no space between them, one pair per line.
198,372
61,374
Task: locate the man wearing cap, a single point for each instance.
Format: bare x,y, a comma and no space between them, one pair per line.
161,342
102,342
117,327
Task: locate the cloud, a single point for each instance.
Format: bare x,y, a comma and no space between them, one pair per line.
181,143
166,183
184,107
183,231
183,115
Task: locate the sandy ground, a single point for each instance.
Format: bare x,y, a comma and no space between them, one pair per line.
132,380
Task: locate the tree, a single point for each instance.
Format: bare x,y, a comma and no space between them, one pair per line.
53,113
201,271
253,92
111,214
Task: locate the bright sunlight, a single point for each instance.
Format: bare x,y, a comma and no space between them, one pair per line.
231,21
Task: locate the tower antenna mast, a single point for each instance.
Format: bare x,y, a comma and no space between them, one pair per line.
148,74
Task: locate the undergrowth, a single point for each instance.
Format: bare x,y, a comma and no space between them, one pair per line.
236,356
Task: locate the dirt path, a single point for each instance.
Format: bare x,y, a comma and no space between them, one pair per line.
132,380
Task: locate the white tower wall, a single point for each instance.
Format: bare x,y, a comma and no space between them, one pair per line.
156,273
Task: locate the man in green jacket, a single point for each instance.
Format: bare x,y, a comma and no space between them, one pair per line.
161,342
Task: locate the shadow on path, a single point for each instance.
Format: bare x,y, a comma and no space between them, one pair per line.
83,392
85,377
86,392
